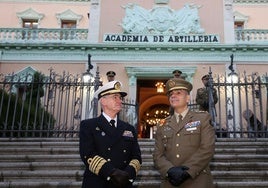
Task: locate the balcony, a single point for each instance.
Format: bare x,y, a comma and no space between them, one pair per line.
43,35
22,35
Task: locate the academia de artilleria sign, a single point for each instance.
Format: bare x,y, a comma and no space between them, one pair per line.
161,38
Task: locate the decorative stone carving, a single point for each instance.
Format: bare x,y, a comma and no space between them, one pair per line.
161,20
239,17
161,1
68,15
29,14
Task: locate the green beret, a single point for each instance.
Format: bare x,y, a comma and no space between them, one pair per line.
178,83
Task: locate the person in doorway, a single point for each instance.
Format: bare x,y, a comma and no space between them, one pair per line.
202,95
184,142
108,146
110,76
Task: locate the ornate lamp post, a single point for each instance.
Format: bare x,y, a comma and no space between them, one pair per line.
232,76
88,76
88,82
233,116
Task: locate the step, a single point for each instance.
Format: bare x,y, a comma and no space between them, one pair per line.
138,184
237,184
68,184
240,157
225,166
76,175
243,175
41,184
55,162
40,158
61,165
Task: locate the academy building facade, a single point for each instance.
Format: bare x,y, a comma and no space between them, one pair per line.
142,41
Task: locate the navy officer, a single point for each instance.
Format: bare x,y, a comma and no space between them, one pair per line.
108,146
110,76
184,142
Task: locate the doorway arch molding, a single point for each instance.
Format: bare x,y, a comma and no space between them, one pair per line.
157,99
155,72
159,72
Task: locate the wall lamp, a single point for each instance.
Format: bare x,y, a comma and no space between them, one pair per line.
232,75
88,76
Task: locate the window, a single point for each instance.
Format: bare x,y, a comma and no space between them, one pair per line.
29,25
68,24
29,20
68,34
239,25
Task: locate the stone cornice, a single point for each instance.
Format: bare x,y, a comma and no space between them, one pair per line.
132,53
250,2
135,47
51,1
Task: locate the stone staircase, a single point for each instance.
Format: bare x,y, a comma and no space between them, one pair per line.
55,163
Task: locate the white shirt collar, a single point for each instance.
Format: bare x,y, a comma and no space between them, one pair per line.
109,119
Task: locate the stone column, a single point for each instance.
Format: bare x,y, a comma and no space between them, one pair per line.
229,34
94,23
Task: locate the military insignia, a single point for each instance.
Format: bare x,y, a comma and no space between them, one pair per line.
171,83
191,126
117,85
162,122
128,134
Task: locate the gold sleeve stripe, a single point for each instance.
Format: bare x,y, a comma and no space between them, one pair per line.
136,164
95,164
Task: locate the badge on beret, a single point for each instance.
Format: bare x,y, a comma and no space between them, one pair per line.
171,83
117,85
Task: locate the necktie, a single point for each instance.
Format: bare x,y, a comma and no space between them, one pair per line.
112,123
180,118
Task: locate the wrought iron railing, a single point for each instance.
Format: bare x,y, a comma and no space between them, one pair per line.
242,108
53,105
34,105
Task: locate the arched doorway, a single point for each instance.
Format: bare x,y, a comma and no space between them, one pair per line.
152,110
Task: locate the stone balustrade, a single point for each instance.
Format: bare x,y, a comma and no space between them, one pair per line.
44,35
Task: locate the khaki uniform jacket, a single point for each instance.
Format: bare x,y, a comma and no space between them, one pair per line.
188,143
202,98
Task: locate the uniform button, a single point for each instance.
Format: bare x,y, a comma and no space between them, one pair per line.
124,151
177,145
178,156
85,157
205,171
108,159
165,136
109,149
178,134
125,161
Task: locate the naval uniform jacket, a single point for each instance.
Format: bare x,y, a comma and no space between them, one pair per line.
188,143
98,137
